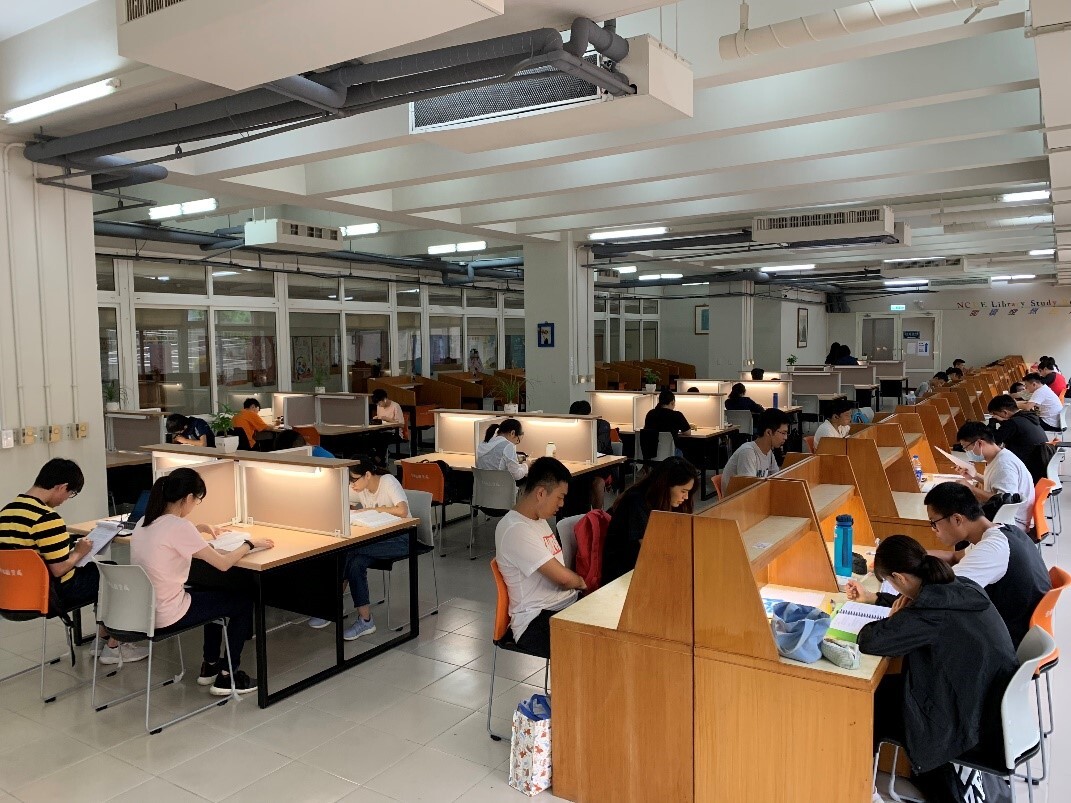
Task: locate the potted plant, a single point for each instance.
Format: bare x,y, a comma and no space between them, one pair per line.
319,380
221,424
510,389
651,380
792,360
114,395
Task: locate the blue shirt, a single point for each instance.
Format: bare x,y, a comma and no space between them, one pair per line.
198,427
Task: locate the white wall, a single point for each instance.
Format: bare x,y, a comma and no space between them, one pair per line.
817,344
676,326
49,362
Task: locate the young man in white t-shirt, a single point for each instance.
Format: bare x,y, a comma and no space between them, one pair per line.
838,423
756,458
1004,472
530,557
1042,398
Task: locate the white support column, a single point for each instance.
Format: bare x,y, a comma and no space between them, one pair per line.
732,322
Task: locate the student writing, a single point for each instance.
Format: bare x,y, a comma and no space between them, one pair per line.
838,424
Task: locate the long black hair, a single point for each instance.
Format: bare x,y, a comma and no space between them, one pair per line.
510,425
737,390
172,488
903,554
654,486
366,464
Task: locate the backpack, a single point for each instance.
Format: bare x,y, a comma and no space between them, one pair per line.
590,536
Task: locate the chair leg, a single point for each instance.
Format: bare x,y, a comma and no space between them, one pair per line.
1041,726
155,729
386,592
45,663
491,697
387,577
546,679
433,611
1048,694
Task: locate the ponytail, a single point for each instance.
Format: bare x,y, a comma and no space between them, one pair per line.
172,488
491,432
510,425
904,555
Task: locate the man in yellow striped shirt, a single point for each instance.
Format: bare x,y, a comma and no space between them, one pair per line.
30,521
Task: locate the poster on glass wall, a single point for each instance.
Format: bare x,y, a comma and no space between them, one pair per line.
302,351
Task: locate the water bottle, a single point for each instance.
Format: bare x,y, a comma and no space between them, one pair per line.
911,397
842,546
917,465
775,401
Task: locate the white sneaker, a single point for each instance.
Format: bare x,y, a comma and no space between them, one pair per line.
124,654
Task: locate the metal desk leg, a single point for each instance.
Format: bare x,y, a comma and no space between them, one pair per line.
414,582
261,631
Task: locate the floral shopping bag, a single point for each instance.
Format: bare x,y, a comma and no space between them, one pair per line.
529,755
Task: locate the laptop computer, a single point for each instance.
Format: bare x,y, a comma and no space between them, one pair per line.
138,513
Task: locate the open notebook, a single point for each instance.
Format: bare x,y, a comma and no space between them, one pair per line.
372,518
851,617
231,540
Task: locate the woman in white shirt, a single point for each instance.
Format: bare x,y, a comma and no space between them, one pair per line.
498,452
164,544
836,426
387,412
371,490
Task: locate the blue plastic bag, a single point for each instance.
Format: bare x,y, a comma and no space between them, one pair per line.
798,631
535,708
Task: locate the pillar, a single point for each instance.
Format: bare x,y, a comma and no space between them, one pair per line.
732,323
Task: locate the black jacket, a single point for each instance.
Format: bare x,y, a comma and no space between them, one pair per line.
743,403
958,659
663,419
1023,436
624,536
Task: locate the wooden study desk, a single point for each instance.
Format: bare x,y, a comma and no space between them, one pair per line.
702,446
467,462
303,573
121,459
834,491
346,438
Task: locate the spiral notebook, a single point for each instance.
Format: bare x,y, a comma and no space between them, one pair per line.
851,617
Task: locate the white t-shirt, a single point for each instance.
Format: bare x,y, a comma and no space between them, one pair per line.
165,550
1049,404
522,545
391,414
827,430
1007,474
389,494
499,454
748,461
987,561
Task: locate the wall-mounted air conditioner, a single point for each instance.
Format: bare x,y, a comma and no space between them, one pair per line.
831,224
292,235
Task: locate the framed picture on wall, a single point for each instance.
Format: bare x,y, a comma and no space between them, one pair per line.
801,327
702,319
545,335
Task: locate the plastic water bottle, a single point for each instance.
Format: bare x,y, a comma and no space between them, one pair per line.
775,401
842,546
917,465
911,397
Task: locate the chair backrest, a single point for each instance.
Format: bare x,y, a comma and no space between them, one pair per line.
502,603
716,479
656,446
1046,607
494,489
1021,728
424,477
809,440
567,536
126,600
24,584
310,435
1052,470
420,508
1041,494
742,420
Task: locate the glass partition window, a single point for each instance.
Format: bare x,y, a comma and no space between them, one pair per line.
650,339
600,303
109,351
632,340
172,359
315,351
246,282
514,351
409,349
445,343
615,305
407,295
369,291
367,348
161,277
442,296
650,306
632,306
599,344
513,300
486,299
311,288
245,355
106,274
615,339
482,347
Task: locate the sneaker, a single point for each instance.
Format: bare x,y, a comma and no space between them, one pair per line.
207,675
124,654
243,684
318,623
362,627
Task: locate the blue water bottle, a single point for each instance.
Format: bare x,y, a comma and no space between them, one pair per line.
842,546
775,401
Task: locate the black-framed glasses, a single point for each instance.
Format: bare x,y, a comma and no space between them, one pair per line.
72,494
933,522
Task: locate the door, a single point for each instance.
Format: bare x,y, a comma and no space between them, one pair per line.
920,347
878,337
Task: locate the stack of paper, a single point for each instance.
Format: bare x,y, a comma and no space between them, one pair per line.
100,536
230,541
372,518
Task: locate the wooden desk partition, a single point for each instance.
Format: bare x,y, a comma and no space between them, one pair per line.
392,384
834,491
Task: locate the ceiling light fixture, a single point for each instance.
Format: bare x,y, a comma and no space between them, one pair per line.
198,207
672,275
650,277
1024,276
1043,252
621,234
63,100
218,274
783,268
905,282
999,278
1032,195
475,245
694,284
445,248
625,268
359,229
915,259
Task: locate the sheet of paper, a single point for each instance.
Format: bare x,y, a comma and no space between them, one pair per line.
100,536
230,541
852,617
959,461
372,518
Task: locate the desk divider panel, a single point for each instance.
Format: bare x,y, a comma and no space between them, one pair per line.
220,505
816,384
573,437
702,409
297,409
766,376
456,431
659,601
873,484
392,384
130,431
704,385
863,375
890,369
763,392
345,409
314,498
830,470
614,406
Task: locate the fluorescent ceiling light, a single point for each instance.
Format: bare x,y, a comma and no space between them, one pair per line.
672,275
1024,276
905,282
216,274
1043,252
650,277
198,207
63,100
694,284
782,268
349,298
163,278
358,229
999,278
621,234
445,248
1032,195
414,290
475,245
332,296
915,259
625,269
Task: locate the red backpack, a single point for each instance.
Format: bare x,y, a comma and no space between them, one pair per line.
590,536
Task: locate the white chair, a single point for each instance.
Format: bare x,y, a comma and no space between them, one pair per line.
492,491
1053,473
809,409
126,608
567,536
419,508
743,420
1006,513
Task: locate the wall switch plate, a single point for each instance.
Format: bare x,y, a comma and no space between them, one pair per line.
55,433
81,429
7,439
28,437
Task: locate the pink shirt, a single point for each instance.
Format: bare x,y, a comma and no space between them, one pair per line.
165,550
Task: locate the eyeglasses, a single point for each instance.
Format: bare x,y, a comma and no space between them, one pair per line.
783,432
72,494
933,522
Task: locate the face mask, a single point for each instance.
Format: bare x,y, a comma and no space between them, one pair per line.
844,430
974,457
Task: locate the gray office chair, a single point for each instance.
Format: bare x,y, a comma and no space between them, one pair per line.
809,409
743,420
663,446
567,536
419,508
1053,473
494,493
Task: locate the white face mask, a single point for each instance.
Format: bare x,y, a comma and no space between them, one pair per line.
844,430
974,457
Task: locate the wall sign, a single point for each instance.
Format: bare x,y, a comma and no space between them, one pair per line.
545,335
912,334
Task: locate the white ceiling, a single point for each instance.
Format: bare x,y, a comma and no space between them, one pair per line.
22,16
928,118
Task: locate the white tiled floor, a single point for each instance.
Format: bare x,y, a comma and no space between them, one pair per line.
406,726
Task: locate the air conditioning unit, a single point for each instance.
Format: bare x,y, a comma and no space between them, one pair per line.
833,224
551,105
291,235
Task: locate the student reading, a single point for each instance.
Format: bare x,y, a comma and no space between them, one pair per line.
1005,475
189,430
387,412
669,486
957,661
756,458
838,423
738,400
665,417
1020,432
164,543
249,420
1043,400
498,452
530,558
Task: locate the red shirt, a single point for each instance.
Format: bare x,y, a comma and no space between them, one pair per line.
1059,383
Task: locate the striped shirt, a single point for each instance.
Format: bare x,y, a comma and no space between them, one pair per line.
28,523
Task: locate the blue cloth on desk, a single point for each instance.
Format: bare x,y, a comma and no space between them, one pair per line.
799,630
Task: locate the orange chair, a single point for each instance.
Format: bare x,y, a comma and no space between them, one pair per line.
309,434
1041,523
428,477
1043,616
716,479
27,593
503,639
809,440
